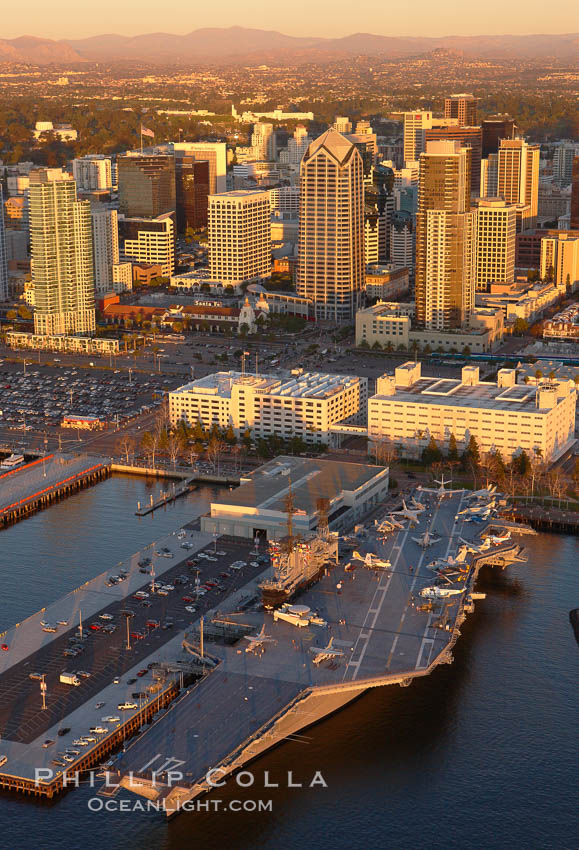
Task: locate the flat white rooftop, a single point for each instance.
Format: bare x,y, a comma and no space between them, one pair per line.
448,392
317,385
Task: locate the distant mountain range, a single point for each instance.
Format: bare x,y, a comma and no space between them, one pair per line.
237,44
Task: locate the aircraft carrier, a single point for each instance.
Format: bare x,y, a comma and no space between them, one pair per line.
210,686
365,623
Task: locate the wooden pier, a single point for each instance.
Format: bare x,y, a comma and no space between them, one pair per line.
47,480
174,491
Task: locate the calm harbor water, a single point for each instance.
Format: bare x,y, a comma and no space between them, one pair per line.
482,754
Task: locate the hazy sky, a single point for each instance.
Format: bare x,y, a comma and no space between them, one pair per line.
71,19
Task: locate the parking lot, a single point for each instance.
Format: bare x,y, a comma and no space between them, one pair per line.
154,618
40,397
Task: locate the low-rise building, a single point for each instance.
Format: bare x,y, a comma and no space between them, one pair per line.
122,277
259,506
408,410
564,325
519,300
60,342
65,132
390,326
387,282
300,404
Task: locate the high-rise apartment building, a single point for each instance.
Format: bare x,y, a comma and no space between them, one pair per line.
518,176
445,238
331,234
574,223
560,260
62,257
469,137
402,233
3,259
496,238
146,184
105,246
239,236
463,107
342,124
489,176
149,240
414,124
216,155
494,129
296,147
563,158
379,201
92,172
191,191
263,141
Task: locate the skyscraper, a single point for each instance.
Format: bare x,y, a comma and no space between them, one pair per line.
3,260
402,235
414,124
563,158
463,107
216,155
105,246
469,137
296,147
560,260
239,236
575,195
92,172
489,176
191,191
518,175
62,257
445,238
146,184
149,240
263,141
331,234
496,237
495,128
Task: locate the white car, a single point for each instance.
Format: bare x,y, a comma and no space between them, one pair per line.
142,594
168,587
98,730
111,718
127,706
162,592
221,553
191,608
105,616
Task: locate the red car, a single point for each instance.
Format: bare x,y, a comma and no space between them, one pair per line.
187,599
96,627
142,672
211,583
137,635
5,647
153,624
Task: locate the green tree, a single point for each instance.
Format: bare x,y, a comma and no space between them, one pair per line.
229,436
520,327
431,454
522,464
472,453
452,448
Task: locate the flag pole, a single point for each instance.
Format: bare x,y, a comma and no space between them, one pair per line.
141,138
